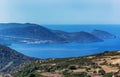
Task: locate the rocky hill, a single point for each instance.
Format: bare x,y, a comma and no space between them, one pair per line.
9,59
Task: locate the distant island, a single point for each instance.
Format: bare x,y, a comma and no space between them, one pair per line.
36,34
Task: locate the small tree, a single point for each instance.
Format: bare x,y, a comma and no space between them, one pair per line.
65,72
32,75
109,75
95,72
88,69
72,67
101,72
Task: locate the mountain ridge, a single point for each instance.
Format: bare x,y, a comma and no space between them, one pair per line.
40,34
103,34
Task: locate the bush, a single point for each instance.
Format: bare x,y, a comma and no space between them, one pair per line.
108,75
65,72
101,72
32,75
72,67
88,69
82,74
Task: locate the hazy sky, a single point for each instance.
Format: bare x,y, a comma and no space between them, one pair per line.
61,11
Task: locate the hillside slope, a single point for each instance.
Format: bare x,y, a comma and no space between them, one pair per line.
83,37
9,59
103,34
105,64
32,33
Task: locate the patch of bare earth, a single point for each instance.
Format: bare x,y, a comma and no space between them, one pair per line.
96,76
109,69
116,61
48,74
79,70
108,59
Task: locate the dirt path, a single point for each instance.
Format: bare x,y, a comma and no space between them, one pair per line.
51,74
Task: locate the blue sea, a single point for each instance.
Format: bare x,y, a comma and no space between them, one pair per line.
72,49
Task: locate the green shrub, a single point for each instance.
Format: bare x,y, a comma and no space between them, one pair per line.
72,67
101,72
108,75
82,74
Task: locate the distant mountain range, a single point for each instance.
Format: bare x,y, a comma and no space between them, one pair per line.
12,25
9,59
36,34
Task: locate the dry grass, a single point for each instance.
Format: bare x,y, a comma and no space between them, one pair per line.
109,69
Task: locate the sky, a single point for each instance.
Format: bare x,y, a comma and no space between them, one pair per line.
60,11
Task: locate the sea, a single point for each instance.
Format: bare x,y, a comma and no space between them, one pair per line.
65,50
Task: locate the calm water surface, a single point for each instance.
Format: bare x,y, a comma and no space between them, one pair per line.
71,49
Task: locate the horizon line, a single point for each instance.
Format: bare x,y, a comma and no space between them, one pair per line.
52,24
